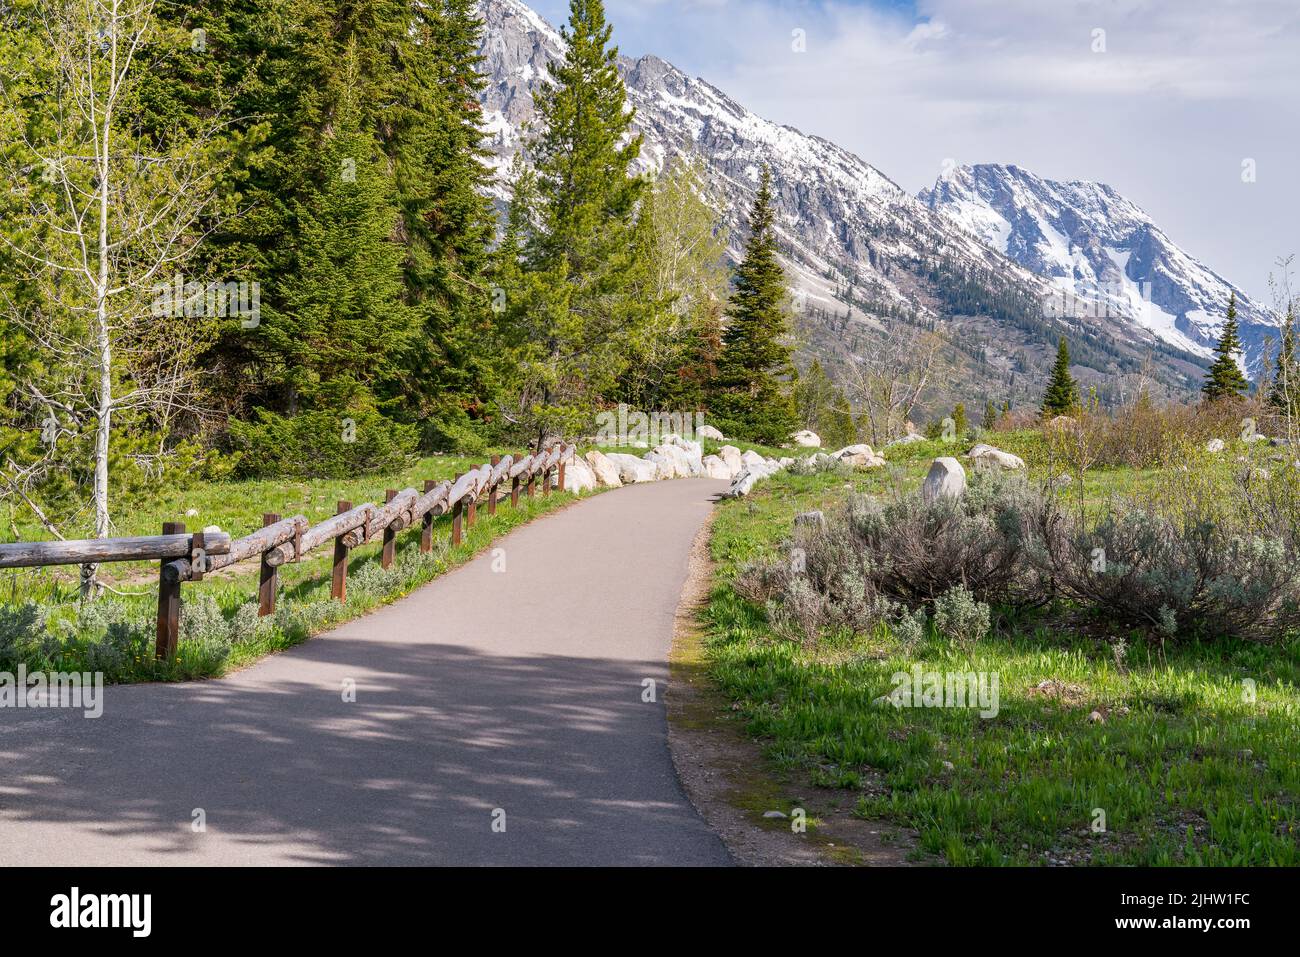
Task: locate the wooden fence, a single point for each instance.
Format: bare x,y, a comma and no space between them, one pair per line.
187,557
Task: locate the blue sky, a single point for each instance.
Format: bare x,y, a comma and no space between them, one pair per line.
1182,94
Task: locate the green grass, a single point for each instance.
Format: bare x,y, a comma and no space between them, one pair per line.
1187,768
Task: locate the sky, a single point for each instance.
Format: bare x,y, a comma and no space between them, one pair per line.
1190,108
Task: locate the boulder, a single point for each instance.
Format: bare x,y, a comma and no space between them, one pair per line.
693,453
632,469
987,455
731,456
664,467
907,439
715,468
676,458
710,433
606,471
807,439
746,481
1214,446
946,479
579,477
860,457
750,458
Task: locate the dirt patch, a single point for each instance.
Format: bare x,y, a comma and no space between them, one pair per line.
733,784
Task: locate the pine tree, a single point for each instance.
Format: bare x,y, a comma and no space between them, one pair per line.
1062,395
1225,379
960,422
990,415
574,316
1284,391
749,398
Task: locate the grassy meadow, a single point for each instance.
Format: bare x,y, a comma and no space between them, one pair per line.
1102,752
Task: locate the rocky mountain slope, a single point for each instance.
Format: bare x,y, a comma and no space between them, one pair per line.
863,254
1098,248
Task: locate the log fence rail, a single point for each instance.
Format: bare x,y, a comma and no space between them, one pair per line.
188,556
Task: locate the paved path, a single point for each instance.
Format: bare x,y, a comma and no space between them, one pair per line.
519,690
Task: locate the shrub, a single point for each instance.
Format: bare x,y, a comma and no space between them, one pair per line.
1177,576
922,550
23,638
324,444
874,564
960,618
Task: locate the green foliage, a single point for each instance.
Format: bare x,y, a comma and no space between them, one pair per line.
1225,379
572,268
323,443
749,398
1062,395
1284,390
822,407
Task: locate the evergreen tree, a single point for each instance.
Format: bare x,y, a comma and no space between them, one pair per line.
1062,395
990,415
823,408
1225,379
1284,392
961,424
749,398
575,316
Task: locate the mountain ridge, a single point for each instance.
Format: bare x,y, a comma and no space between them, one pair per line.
862,253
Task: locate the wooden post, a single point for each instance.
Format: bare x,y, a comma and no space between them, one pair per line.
270,579
531,479
390,536
169,604
471,514
546,482
492,492
514,492
560,479
339,586
457,511
426,531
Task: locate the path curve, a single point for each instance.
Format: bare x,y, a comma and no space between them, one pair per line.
517,691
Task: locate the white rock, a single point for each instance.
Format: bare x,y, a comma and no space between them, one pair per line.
715,468
859,456
710,433
807,439
987,455
579,477
664,467
1214,446
731,455
751,476
946,479
606,471
632,469
676,460
907,439
191,512
750,457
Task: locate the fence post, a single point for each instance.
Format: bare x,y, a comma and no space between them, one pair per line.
457,511
270,578
339,585
426,530
169,604
390,536
471,513
560,478
492,492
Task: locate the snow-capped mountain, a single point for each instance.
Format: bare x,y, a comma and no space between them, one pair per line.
862,253
1101,250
